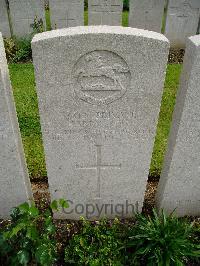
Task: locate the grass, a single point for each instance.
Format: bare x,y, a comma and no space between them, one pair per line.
23,83
22,78
165,117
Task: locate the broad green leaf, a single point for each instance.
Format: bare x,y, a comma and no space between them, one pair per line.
23,257
54,205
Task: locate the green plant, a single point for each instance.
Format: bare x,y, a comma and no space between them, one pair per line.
30,236
19,49
10,48
162,240
126,5
97,244
37,26
23,50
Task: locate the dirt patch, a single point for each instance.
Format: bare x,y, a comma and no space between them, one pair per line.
176,56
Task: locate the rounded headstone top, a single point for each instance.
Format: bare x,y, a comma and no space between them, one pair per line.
195,39
117,30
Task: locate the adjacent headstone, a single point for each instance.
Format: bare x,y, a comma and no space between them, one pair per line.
4,22
14,182
66,13
146,14
180,180
182,21
105,12
99,91
26,15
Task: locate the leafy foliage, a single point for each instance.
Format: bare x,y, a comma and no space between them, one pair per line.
126,4
10,48
30,236
37,26
162,240
19,49
96,245
23,50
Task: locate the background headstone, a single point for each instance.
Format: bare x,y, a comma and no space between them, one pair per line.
146,14
99,97
105,12
66,13
180,180
14,182
182,21
23,13
4,22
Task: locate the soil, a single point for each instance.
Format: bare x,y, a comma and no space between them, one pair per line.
176,56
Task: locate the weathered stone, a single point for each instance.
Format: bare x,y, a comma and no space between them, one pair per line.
182,21
99,91
14,183
179,185
24,13
146,14
4,22
65,14
105,12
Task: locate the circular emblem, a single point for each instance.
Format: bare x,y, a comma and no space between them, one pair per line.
101,77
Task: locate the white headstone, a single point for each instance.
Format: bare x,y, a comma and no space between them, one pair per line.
146,14
14,182
105,12
66,13
4,22
99,96
23,13
179,187
182,21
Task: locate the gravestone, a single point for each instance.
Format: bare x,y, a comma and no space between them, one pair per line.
14,182
24,13
99,97
146,14
4,22
182,21
179,184
105,12
66,13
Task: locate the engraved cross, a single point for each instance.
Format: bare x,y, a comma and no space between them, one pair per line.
99,166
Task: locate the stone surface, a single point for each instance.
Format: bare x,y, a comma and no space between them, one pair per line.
179,184
105,12
66,13
23,13
14,182
146,14
182,21
99,91
4,22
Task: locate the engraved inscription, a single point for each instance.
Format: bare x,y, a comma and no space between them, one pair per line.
98,166
101,77
184,10
105,6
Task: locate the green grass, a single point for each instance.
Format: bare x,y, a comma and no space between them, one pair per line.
23,83
22,77
164,122
125,18
48,20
